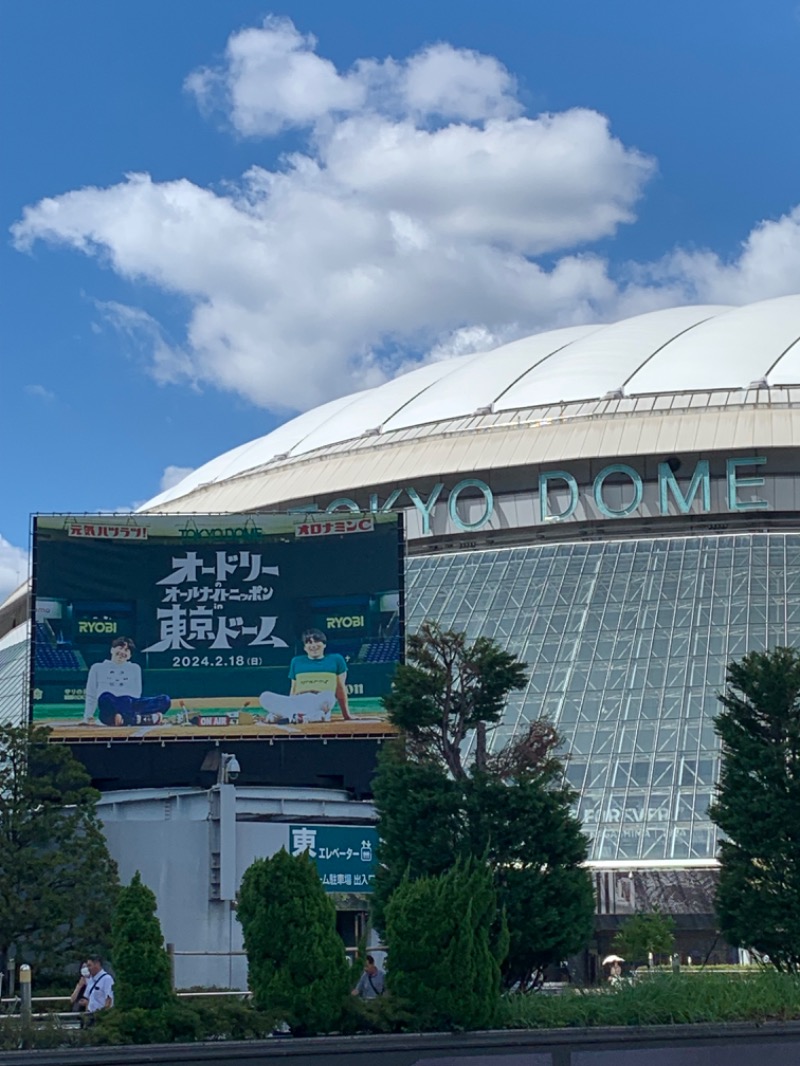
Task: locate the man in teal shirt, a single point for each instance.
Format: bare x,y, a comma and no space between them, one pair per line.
319,682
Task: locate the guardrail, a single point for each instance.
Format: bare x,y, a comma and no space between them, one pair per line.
11,1007
183,994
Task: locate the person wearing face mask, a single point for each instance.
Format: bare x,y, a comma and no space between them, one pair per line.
99,986
78,1001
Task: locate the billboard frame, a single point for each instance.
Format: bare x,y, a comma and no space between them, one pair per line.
229,732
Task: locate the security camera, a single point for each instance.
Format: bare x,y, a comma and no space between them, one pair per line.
230,767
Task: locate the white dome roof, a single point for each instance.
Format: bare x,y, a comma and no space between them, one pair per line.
679,350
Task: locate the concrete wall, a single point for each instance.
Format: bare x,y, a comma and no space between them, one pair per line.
192,847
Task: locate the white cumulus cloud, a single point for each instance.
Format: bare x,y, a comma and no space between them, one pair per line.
172,476
416,210
272,79
457,83
411,224
767,264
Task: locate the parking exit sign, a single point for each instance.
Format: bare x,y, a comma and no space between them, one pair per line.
344,854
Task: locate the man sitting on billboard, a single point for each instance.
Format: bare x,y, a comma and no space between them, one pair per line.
318,683
114,689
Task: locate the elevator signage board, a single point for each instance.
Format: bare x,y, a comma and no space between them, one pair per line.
344,854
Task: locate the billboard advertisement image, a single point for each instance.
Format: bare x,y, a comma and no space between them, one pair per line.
165,626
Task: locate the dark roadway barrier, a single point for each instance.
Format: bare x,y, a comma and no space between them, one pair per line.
740,1044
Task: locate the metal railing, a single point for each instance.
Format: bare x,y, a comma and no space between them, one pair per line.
21,1004
13,1007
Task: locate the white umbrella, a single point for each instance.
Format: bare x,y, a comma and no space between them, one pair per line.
612,958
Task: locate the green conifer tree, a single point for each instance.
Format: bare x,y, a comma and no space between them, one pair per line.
536,848
296,960
447,943
58,883
437,803
421,824
141,963
758,797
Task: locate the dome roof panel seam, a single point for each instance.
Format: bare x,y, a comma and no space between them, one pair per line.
314,428
538,362
784,353
661,348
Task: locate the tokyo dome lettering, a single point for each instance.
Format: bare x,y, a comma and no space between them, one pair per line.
617,491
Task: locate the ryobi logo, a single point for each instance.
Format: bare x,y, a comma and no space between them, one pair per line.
97,627
348,621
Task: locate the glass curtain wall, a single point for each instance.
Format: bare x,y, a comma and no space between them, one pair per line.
627,643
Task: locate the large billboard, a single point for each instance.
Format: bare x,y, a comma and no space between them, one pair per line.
260,625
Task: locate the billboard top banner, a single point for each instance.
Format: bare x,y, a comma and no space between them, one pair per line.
134,528
159,626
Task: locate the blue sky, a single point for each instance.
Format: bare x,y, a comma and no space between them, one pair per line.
312,216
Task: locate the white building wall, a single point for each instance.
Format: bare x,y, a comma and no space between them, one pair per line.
173,836
14,676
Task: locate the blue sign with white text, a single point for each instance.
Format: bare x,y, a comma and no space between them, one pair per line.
344,854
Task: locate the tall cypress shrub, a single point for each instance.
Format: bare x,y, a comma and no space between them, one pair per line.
296,960
141,962
447,942
58,883
756,805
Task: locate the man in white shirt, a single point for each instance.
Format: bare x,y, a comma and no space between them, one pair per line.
371,984
114,688
99,991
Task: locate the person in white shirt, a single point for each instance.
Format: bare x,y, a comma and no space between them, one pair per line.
99,991
114,690
371,984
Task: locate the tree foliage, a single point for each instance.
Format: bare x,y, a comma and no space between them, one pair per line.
58,883
421,826
644,934
296,959
436,807
141,962
758,899
447,940
536,848
447,688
